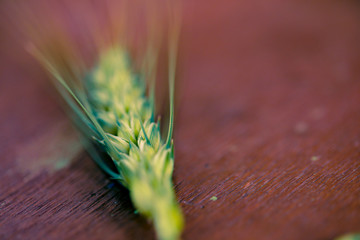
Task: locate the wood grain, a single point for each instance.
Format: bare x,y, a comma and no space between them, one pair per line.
268,122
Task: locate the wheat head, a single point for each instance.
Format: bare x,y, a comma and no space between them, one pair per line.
113,106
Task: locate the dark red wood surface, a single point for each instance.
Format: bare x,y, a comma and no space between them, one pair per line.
268,122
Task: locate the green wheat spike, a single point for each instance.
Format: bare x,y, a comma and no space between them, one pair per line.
117,99
113,112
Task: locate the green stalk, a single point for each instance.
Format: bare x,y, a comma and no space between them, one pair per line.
112,111
117,98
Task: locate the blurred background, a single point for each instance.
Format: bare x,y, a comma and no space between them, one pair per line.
267,121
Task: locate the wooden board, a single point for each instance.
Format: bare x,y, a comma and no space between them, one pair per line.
268,122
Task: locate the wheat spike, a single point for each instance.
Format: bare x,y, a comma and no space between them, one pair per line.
111,107
112,110
145,163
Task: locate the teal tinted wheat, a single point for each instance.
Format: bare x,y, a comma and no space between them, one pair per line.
111,108
145,163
